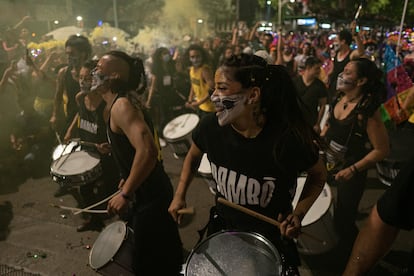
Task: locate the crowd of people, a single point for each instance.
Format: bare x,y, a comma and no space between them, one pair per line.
261,99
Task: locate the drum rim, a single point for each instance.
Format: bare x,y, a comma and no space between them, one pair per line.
119,223
251,233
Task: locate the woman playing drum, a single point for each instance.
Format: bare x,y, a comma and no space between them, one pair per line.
356,138
257,144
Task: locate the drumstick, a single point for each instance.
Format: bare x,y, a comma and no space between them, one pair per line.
248,211
260,216
73,209
186,211
97,203
58,137
85,143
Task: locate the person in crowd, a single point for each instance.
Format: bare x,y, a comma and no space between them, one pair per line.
252,143
312,92
343,54
407,107
90,122
44,83
144,187
78,50
285,56
8,73
306,50
15,40
202,81
389,215
356,139
162,96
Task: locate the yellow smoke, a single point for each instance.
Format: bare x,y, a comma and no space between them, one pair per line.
178,19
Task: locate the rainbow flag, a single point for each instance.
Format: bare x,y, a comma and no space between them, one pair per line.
398,86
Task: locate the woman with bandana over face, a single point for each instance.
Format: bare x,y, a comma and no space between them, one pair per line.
145,188
257,142
90,123
356,139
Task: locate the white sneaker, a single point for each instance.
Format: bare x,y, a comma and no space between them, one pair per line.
162,142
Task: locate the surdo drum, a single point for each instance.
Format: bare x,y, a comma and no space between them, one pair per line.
318,222
112,252
76,168
178,132
234,253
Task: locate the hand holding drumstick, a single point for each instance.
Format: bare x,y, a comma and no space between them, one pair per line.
289,227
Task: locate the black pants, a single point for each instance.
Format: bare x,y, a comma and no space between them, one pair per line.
349,194
158,247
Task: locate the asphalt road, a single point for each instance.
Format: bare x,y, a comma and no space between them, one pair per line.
38,239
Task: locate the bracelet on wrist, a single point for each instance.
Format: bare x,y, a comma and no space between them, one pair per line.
125,196
354,168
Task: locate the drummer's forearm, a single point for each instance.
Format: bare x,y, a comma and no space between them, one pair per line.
141,168
315,181
190,167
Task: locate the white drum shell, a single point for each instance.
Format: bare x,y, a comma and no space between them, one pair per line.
178,132
76,168
318,222
204,170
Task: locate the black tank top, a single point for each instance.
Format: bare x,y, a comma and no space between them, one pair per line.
72,88
92,127
347,137
123,152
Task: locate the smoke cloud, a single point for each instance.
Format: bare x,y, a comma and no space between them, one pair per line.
177,21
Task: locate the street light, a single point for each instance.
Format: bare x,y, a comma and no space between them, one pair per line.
279,10
268,3
80,21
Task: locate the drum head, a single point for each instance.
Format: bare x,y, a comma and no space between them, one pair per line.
76,163
319,207
234,253
204,168
64,149
107,244
180,126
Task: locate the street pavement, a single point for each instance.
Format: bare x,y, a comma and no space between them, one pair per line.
39,239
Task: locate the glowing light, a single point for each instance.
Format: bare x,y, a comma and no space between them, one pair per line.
56,22
200,21
79,18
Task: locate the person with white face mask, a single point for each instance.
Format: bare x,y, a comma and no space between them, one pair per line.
89,125
163,101
78,50
202,83
356,140
257,142
344,54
